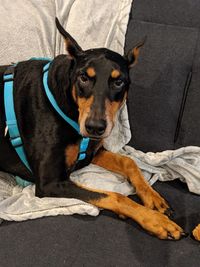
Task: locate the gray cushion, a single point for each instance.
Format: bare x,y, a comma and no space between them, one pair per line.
101,241
164,95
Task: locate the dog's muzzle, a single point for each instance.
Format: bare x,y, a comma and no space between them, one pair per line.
95,128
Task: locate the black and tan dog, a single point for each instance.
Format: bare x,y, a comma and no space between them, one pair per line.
89,86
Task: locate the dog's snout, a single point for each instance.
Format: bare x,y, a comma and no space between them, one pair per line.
95,127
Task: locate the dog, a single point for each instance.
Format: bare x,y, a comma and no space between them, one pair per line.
89,87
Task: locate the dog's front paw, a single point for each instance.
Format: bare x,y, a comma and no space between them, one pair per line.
154,201
196,232
161,226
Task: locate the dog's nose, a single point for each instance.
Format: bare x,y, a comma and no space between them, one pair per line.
95,127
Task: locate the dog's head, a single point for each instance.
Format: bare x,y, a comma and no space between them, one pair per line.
100,82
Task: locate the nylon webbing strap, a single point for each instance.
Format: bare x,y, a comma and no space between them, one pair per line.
85,141
11,120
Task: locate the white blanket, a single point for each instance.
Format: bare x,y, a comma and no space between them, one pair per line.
30,32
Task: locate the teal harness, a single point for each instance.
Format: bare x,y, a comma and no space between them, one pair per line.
11,120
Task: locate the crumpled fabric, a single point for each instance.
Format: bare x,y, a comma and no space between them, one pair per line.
21,204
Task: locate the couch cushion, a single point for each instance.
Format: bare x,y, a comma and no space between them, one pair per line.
158,82
189,125
183,13
104,240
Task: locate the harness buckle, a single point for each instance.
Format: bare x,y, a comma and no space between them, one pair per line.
10,70
8,77
9,73
81,156
16,142
83,148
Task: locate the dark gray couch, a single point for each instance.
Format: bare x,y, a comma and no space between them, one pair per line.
102,241
164,114
164,97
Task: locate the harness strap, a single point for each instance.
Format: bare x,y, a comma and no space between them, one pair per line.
22,182
53,101
11,120
85,141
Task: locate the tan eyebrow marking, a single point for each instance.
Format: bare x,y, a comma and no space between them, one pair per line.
91,72
115,74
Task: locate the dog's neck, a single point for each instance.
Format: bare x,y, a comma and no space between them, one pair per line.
59,81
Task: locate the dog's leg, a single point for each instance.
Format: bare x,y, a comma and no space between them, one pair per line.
128,168
152,221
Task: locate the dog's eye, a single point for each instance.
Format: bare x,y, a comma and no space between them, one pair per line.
118,83
83,79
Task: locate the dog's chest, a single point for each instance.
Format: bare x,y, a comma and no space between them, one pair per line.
72,154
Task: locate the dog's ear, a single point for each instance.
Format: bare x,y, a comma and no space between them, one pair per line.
72,47
133,54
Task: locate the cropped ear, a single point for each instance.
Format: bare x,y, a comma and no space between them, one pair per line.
133,54
72,47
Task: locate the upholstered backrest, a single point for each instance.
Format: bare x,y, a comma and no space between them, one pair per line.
164,97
